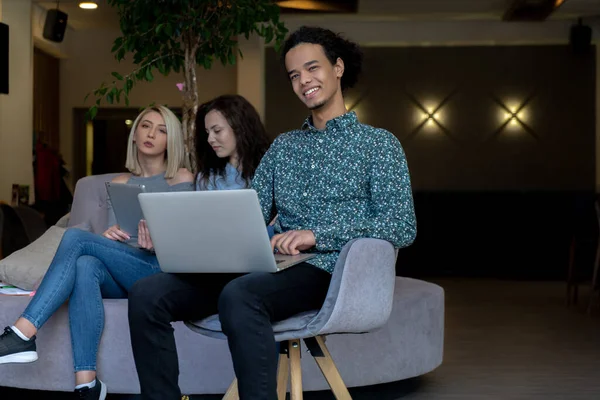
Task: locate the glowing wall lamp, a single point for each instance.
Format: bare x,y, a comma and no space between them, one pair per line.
514,116
429,115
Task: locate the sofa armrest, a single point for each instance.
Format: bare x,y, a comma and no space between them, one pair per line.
89,203
63,222
361,292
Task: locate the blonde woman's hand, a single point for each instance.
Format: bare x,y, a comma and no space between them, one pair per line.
115,233
144,239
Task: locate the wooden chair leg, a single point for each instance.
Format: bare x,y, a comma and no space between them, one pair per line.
595,283
232,392
571,272
321,354
296,369
283,375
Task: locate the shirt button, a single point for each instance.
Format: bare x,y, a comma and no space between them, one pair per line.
304,194
320,140
312,166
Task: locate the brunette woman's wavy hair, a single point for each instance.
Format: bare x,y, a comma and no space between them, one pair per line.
251,137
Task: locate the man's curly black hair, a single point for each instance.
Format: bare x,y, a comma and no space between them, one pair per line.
334,46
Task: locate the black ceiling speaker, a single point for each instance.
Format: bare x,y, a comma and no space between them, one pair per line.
580,38
3,58
55,26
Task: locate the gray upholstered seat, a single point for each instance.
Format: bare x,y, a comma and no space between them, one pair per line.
359,300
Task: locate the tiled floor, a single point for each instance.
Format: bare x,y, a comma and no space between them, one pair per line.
504,340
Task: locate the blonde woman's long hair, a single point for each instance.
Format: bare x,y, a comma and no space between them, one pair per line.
175,152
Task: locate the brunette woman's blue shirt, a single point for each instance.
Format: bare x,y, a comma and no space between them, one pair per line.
230,180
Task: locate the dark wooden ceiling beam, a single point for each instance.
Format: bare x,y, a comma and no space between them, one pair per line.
531,10
318,6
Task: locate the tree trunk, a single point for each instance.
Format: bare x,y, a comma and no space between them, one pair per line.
190,101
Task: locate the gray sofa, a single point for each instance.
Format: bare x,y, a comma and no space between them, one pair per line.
409,345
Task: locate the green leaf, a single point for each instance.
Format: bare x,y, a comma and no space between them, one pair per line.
93,112
126,100
149,75
126,86
169,30
158,28
109,98
117,43
117,76
269,34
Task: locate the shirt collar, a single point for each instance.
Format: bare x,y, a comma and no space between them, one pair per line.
341,122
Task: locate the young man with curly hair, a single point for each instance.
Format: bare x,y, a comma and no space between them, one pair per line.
331,181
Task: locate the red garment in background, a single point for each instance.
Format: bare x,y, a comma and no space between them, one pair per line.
47,173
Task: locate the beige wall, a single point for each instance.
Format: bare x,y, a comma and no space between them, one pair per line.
90,62
250,72
16,108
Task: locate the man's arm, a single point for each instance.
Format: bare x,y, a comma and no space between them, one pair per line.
391,194
263,184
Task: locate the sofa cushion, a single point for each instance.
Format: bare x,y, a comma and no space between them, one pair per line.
26,267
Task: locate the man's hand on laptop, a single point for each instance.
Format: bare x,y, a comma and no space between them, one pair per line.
293,242
115,233
144,239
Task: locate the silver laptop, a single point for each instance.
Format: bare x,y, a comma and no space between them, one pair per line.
211,231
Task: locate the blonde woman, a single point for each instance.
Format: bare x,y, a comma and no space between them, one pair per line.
88,267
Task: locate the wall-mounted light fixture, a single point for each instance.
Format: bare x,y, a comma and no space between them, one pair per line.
513,115
429,115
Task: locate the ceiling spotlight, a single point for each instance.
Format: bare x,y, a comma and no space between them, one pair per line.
88,5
